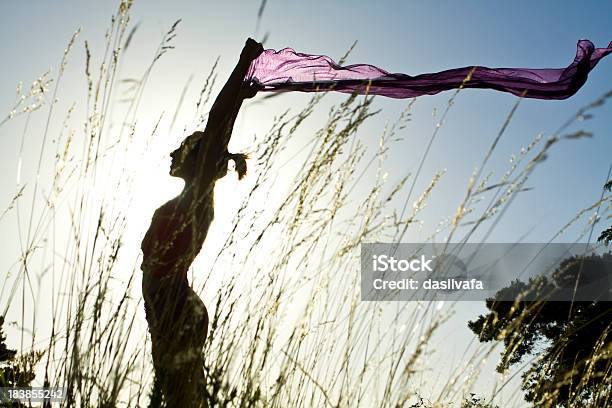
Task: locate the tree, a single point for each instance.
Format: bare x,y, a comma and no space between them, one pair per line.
15,370
606,235
571,341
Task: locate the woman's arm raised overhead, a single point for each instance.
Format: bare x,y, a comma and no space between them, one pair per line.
235,89
218,131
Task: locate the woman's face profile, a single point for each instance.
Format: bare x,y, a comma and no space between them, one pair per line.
183,157
176,165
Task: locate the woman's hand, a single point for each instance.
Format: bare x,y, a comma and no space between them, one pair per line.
249,90
252,49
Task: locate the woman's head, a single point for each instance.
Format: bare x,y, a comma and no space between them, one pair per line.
185,160
184,157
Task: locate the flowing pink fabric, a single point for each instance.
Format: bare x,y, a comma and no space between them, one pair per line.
287,70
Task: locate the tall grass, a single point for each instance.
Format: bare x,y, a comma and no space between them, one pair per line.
287,324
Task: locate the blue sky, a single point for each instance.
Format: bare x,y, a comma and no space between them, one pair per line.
400,36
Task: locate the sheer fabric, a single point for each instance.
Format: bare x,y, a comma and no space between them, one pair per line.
288,70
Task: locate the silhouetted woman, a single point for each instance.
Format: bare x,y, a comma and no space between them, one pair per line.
177,318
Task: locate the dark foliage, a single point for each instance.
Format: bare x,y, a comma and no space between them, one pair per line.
14,372
571,340
606,235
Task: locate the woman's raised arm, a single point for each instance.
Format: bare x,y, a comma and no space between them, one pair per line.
212,155
227,103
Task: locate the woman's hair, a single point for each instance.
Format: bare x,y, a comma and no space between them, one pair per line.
192,143
239,163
